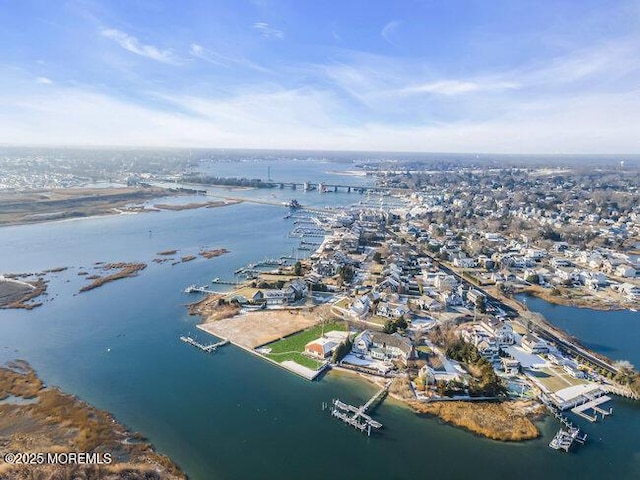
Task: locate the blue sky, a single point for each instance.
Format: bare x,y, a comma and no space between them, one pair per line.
502,76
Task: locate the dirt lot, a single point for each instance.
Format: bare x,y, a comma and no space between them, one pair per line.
253,329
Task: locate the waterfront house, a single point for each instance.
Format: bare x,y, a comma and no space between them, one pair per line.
321,347
278,297
362,343
382,346
533,344
394,346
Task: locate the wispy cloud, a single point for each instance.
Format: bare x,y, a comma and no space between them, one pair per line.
389,30
267,30
314,118
207,55
44,81
457,87
133,45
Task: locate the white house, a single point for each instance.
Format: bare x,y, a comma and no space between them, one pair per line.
534,345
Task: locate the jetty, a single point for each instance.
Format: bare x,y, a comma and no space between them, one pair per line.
357,416
205,348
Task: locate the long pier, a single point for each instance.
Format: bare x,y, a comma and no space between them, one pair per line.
564,439
205,348
357,416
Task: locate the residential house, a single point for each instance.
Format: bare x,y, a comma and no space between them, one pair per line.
533,344
324,346
382,346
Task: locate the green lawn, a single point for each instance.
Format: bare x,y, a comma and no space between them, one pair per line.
298,358
291,348
556,379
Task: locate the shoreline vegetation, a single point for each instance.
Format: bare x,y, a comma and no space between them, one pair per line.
216,252
124,270
502,421
35,206
46,205
18,295
573,300
505,421
195,205
35,418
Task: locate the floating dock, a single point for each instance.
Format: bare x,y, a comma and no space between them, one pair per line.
205,348
357,416
565,439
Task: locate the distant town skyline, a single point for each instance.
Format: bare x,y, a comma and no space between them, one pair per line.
420,75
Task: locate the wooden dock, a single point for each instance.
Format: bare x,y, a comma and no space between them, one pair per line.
593,404
357,416
205,348
567,436
565,439
196,289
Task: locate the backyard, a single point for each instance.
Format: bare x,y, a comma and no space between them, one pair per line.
292,347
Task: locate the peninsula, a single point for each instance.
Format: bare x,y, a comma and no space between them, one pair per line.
39,419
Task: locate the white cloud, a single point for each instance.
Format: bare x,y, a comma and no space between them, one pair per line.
458,87
268,31
389,30
44,81
133,45
314,119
